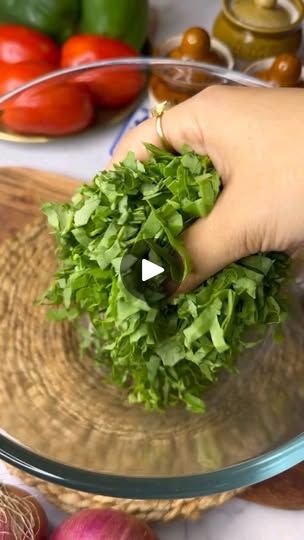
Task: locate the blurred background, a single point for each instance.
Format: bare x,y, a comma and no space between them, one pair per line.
242,34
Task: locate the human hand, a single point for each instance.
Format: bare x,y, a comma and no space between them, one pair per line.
255,138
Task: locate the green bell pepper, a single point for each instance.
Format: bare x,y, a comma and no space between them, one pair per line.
57,18
126,20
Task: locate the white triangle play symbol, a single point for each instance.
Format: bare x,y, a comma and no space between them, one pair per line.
149,270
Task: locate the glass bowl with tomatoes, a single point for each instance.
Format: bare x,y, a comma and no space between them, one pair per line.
49,90
68,105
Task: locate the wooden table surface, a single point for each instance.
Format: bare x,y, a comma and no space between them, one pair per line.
23,191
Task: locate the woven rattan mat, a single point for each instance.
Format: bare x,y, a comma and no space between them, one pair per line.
41,366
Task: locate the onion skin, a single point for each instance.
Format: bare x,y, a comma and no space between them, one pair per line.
105,524
21,515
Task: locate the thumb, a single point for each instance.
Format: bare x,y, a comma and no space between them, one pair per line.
215,241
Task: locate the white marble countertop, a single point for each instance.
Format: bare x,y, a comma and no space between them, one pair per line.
82,157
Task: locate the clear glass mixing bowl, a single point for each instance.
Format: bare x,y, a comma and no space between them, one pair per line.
87,437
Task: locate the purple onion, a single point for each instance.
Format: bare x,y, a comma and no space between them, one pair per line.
105,524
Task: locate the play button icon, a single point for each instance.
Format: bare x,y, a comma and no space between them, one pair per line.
150,270
147,268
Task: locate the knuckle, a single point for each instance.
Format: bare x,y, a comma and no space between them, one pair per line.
256,237
131,134
213,91
126,141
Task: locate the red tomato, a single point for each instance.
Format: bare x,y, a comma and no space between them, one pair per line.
56,110
14,75
21,44
110,87
86,48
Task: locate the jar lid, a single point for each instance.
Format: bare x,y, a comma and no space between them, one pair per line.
269,16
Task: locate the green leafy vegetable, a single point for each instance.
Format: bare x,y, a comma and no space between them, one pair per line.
172,350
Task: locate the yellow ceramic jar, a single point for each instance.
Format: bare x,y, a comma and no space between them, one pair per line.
255,29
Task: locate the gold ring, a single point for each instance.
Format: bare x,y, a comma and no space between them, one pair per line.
157,113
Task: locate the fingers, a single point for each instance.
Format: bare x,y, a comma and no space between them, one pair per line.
180,125
215,241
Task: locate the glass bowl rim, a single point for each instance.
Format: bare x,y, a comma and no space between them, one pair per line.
236,476
145,62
